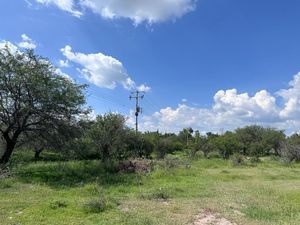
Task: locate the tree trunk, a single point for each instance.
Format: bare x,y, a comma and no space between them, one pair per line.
37,153
105,154
7,153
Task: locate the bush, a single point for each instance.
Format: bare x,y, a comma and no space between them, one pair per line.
198,155
237,159
254,159
135,166
171,161
167,146
100,204
290,152
4,171
214,155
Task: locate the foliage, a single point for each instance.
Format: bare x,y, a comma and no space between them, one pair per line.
100,204
167,145
33,97
290,152
258,141
237,159
108,135
227,144
140,166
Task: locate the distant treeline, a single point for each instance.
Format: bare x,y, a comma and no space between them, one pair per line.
107,138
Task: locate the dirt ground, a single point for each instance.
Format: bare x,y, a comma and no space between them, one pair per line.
207,217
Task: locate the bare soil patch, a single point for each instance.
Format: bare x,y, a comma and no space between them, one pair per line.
207,217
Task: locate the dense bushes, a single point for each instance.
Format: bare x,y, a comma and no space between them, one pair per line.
290,152
107,138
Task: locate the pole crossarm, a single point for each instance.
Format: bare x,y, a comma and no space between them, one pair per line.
137,95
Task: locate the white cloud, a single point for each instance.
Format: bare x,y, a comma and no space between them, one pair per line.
231,110
61,73
27,42
63,63
65,5
143,88
150,11
291,98
101,70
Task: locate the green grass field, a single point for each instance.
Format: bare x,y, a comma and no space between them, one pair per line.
84,193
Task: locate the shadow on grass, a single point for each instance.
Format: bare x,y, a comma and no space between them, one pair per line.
26,156
72,174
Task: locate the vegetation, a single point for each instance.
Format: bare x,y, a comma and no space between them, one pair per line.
57,166
33,97
84,192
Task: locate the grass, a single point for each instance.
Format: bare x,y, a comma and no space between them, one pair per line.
57,192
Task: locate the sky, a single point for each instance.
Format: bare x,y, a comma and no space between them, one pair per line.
213,65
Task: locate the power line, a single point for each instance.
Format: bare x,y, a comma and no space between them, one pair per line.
107,99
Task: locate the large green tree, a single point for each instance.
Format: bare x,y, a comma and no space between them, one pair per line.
109,135
33,97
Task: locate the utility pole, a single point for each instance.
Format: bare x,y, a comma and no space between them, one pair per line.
137,95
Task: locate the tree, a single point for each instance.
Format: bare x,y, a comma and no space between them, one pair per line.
138,145
294,139
51,138
272,140
199,143
33,97
250,135
109,134
227,144
185,135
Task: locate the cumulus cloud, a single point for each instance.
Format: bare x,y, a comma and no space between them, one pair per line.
101,70
65,5
231,109
291,98
150,11
143,88
27,42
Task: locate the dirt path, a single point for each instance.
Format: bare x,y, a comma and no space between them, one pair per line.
207,217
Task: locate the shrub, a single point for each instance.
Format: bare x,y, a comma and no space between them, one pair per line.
290,152
167,146
171,161
6,183
237,159
254,159
214,155
4,171
100,204
135,166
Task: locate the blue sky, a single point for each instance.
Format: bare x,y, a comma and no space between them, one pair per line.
183,49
